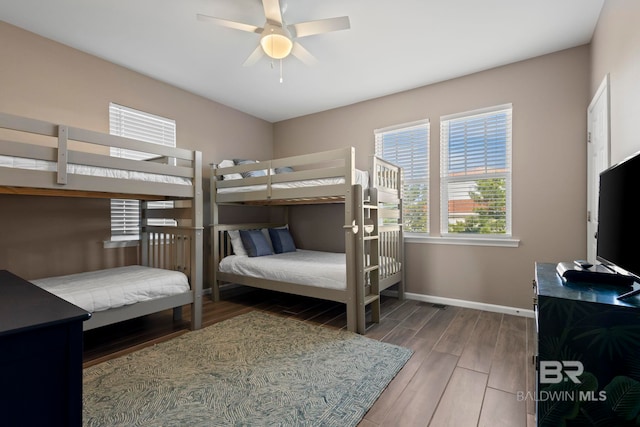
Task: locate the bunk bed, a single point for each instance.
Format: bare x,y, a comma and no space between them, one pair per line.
46,159
373,258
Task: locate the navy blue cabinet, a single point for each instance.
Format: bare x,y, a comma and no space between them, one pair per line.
40,356
588,353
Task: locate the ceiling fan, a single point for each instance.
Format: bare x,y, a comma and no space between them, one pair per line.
278,39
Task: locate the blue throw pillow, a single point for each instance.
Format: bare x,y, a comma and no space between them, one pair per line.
284,169
255,243
281,240
249,174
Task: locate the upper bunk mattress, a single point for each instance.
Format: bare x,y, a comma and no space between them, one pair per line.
362,178
47,166
304,267
115,287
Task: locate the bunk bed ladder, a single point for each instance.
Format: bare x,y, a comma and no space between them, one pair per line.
367,254
387,182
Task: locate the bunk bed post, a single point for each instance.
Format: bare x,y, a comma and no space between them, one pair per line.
214,238
373,182
144,236
349,236
197,264
403,269
358,201
63,136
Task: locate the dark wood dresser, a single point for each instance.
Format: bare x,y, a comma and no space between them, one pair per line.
40,356
588,347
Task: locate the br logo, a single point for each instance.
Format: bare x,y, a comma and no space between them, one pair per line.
554,372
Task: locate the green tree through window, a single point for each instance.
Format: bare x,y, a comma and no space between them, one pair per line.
475,172
489,209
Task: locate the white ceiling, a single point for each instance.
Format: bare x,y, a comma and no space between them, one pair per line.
391,46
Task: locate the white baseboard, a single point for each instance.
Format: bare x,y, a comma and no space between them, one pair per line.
467,304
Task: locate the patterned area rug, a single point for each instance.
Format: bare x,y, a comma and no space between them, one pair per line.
255,369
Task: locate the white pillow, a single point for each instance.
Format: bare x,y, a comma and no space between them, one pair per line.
236,243
227,164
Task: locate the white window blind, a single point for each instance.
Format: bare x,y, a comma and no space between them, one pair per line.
407,146
475,172
130,123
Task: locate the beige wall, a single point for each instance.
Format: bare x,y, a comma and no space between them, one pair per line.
46,80
616,51
549,95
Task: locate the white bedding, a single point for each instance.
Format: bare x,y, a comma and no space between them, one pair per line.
362,178
304,267
115,287
44,165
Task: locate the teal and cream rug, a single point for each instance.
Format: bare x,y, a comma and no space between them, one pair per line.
255,369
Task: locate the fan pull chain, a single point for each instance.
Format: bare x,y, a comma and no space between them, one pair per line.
273,66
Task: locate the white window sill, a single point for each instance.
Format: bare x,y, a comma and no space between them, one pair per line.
504,242
110,244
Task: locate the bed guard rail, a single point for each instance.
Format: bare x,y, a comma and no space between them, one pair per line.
339,163
63,145
167,248
386,176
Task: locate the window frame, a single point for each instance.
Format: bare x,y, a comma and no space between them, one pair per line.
165,134
422,126
447,178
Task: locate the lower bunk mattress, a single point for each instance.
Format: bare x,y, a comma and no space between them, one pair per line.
115,287
304,267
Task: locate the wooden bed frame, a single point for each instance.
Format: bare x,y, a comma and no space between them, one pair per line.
177,248
365,276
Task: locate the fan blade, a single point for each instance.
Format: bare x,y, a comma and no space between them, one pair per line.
254,57
230,24
310,28
272,11
303,54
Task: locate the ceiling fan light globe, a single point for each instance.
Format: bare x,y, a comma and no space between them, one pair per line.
276,46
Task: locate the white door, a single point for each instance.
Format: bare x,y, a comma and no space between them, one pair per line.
597,159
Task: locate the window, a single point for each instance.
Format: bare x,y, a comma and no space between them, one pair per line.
407,146
146,127
475,173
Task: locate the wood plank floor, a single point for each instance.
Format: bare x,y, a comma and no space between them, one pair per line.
467,368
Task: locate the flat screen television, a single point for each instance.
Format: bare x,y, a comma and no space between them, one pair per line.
618,238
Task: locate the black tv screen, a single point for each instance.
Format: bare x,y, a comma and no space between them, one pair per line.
618,236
